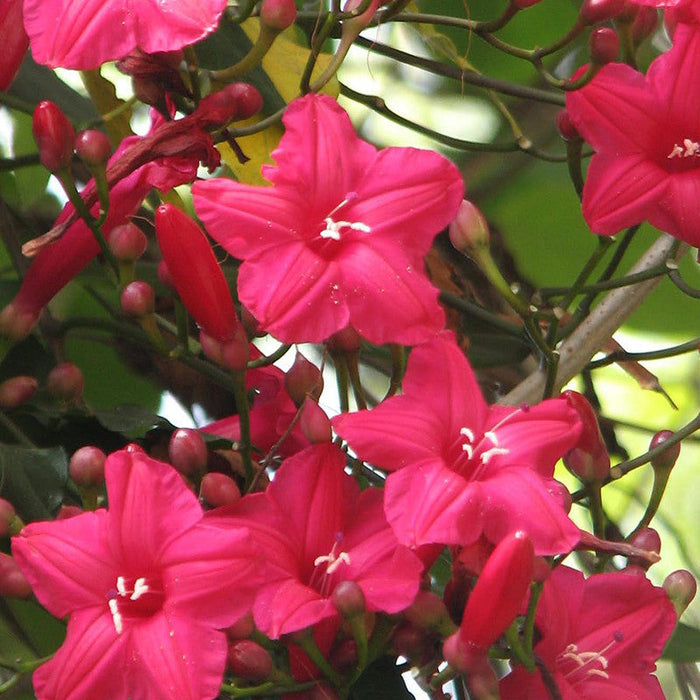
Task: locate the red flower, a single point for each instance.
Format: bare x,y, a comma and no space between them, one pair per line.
600,638
646,133
340,238
463,468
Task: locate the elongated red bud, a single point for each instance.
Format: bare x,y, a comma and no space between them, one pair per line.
54,135
187,451
218,489
17,390
314,423
604,45
250,661
14,41
589,459
680,587
234,101
565,126
495,601
469,228
65,382
668,457
303,379
594,11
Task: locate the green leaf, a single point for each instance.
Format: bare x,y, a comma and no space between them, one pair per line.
43,630
131,420
684,645
33,480
381,680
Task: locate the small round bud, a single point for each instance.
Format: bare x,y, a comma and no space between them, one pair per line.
647,539
303,379
249,661
218,489
87,466
54,135
233,102
595,11
10,522
349,599
469,228
314,423
565,126
93,147
138,299
249,101
69,511
188,451
127,242
345,340
17,391
428,612
409,641
604,45
12,581
65,382
668,457
278,14
680,587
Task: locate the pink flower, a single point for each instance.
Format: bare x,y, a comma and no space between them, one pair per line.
463,468
146,584
340,238
600,638
15,41
646,133
316,530
83,35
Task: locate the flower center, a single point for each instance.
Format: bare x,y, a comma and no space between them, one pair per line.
689,149
333,229
134,598
477,451
326,565
579,665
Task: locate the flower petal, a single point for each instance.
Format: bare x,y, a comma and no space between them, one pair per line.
67,562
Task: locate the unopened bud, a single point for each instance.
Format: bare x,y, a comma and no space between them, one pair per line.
17,391
595,11
647,539
344,656
249,661
69,511
644,24
12,581
87,466
54,135
218,489
314,423
93,147
278,14
188,451
409,641
428,612
233,102
345,340
469,228
565,126
349,599
65,382
303,379
588,459
232,354
127,242
17,322
241,629
680,587
604,45
138,299
10,522
668,457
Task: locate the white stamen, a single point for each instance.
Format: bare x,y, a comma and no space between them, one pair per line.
468,449
333,561
116,616
467,433
332,229
689,149
140,587
490,435
121,586
486,457
585,658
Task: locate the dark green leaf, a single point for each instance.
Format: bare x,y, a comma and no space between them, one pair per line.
684,645
33,480
381,681
131,420
43,630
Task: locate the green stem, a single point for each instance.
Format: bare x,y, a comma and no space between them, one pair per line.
398,366
308,644
513,639
243,409
270,359
12,428
353,366
661,476
342,380
624,356
266,37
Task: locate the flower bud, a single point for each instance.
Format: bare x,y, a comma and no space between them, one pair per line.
17,320
233,102
241,629
680,587
303,379
87,466
54,135
344,340
10,522
138,299
249,661
188,451
469,228
65,382
278,14
12,581
428,612
17,391
409,641
589,459
604,45
647,539
314,423
69,511
668,457
349,599
196,273
565,126
15,41
344,656
93,147
644,24
218,489
595,11
232,354
127,242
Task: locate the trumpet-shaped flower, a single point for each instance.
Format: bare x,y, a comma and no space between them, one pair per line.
83,35
340,238
147,584
600,638
463,468
646,134
317,530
